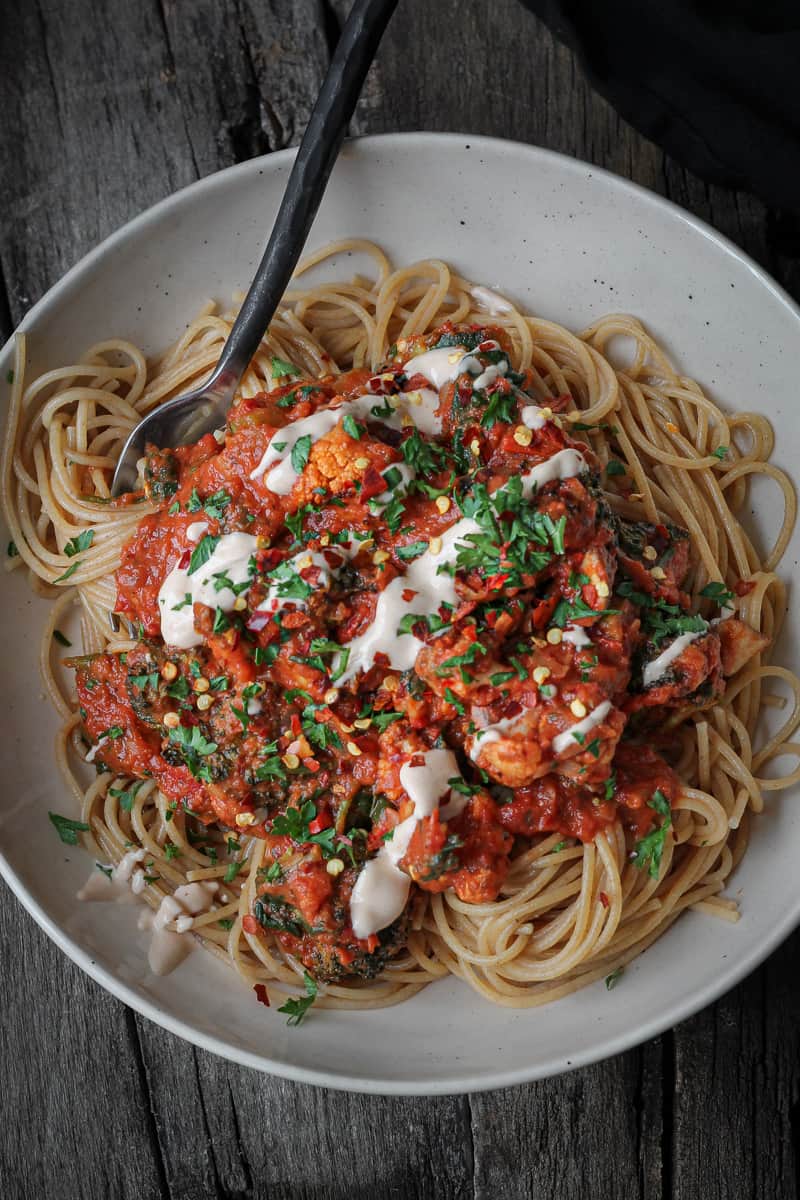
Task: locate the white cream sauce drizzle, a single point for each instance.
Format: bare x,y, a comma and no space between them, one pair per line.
196,530
438,366
418,407
490,301
564,741
508,726
299,562
117,886
232,555
90,756
169,948
577,636
381,890
433,587
658,666
505,727
532,416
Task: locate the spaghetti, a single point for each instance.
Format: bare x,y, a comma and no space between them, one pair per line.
577,899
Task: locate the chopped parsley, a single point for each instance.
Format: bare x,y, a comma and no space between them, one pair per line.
650,849
501,407
69,571
126,796
216,504
232,870
202,552
426,458
297,1007
221,622
514,540
718,592
411,551
77,544
67,829
613,979
281,368
300,452
567,611
180,689
193,746
351,427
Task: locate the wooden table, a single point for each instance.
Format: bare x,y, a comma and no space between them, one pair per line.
107,107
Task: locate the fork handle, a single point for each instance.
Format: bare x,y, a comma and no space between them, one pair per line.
309,176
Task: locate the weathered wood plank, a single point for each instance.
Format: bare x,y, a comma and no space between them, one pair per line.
71,1082
228,1131
554,1139
92,132
246,74
737,1081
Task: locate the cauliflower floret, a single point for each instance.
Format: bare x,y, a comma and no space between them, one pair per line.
337,461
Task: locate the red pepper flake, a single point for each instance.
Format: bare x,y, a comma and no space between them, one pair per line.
267,559
311,765
604,900
250,924
294,620
322,821
296,727
494,582
184,560
372,484
489,344
262,996
417,381
382,387
408,595
743,587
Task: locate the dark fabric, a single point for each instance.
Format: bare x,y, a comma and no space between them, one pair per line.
716,83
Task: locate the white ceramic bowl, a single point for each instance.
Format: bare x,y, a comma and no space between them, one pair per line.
569,242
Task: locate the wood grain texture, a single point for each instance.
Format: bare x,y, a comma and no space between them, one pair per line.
107,108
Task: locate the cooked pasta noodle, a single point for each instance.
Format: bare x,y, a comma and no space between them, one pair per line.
568,913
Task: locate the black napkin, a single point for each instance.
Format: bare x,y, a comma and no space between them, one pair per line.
716,83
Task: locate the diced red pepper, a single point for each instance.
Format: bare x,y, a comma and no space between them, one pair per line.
322,821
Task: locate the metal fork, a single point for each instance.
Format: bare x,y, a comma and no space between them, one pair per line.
186,418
